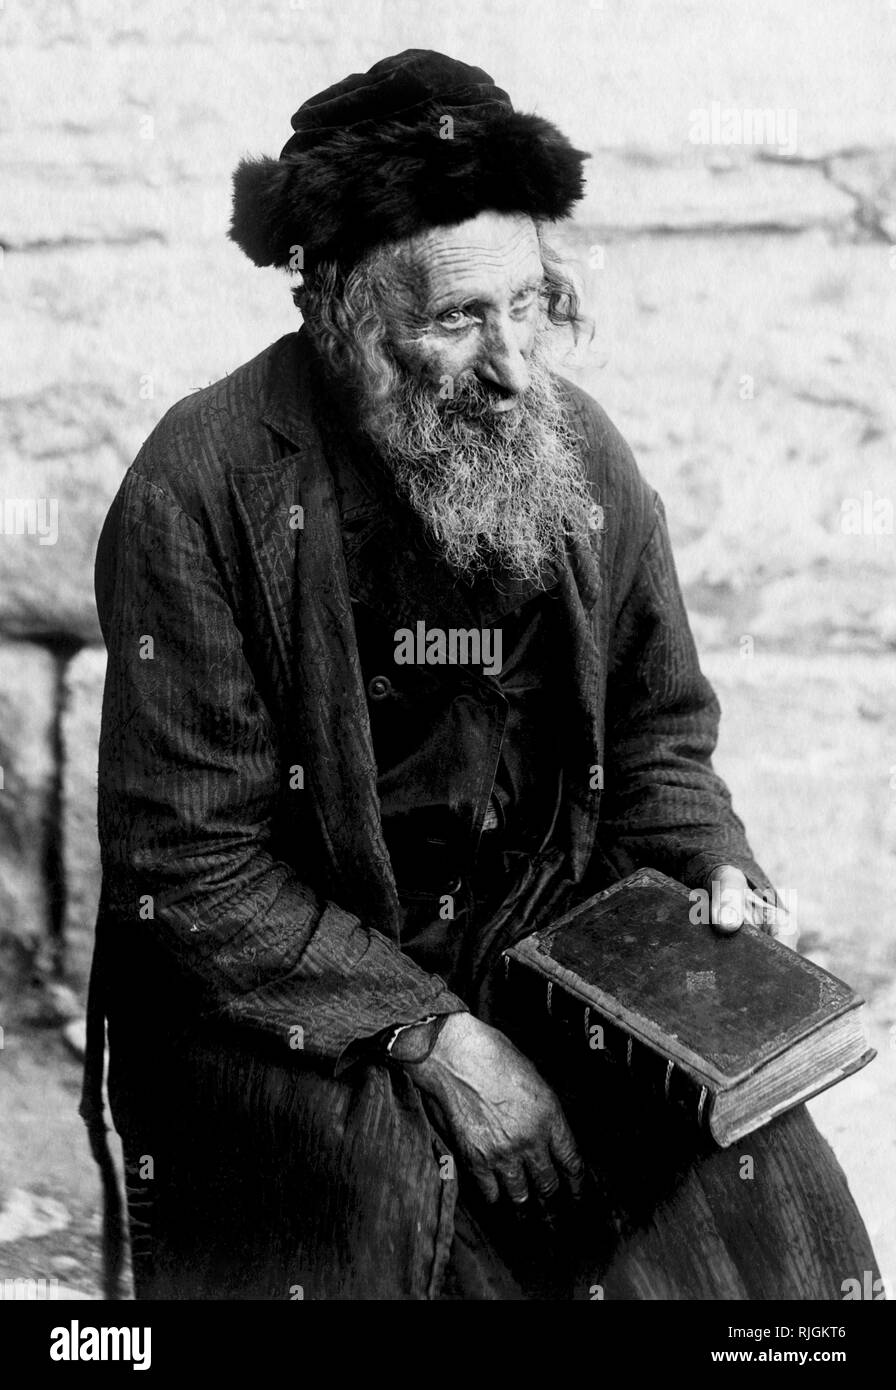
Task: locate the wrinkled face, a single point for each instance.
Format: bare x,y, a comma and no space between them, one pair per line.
444,343
469,306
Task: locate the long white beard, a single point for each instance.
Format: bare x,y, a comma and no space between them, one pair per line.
492,488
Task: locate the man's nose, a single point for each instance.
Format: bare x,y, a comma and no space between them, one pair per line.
503,361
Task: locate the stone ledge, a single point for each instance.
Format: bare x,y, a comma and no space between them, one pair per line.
28,757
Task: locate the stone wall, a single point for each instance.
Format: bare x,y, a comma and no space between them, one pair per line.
743,299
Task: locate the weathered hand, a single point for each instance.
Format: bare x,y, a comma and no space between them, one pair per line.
735,902
505,1121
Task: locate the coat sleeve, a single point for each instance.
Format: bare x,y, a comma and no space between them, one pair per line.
663,804
189,780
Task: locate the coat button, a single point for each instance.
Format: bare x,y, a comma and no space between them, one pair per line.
379,688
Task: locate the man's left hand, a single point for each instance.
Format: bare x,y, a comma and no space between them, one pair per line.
735,902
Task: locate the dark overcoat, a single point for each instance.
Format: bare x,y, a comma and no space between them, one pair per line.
249,920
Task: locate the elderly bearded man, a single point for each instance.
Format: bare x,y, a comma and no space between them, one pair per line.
313,855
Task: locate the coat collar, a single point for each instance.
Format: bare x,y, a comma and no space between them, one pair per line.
302,581
287,389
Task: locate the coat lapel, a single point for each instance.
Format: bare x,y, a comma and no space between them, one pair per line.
581,588
586,731
264,498
301,573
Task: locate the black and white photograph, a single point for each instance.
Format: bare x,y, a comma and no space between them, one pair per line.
448,662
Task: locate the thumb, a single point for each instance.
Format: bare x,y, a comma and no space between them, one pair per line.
728,889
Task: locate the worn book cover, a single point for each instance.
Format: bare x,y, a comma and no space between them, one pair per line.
737,1027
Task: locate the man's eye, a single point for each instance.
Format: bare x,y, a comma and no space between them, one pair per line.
454,318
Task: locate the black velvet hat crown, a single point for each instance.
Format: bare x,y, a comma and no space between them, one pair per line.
373,159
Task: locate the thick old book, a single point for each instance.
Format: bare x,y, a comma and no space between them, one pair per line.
735,1028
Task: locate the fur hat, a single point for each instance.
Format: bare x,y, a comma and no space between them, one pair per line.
418,141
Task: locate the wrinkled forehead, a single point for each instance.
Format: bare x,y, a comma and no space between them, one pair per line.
489,258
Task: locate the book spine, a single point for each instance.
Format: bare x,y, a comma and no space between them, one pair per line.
581,1029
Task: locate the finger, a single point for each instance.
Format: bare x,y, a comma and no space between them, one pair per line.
486,1182
760,911
773,918
543,1177
779,924
514,1181
728,890
565,1152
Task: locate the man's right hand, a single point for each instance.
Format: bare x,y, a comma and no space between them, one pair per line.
505,1121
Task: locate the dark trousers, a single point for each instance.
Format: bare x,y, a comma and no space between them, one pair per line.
236,1208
